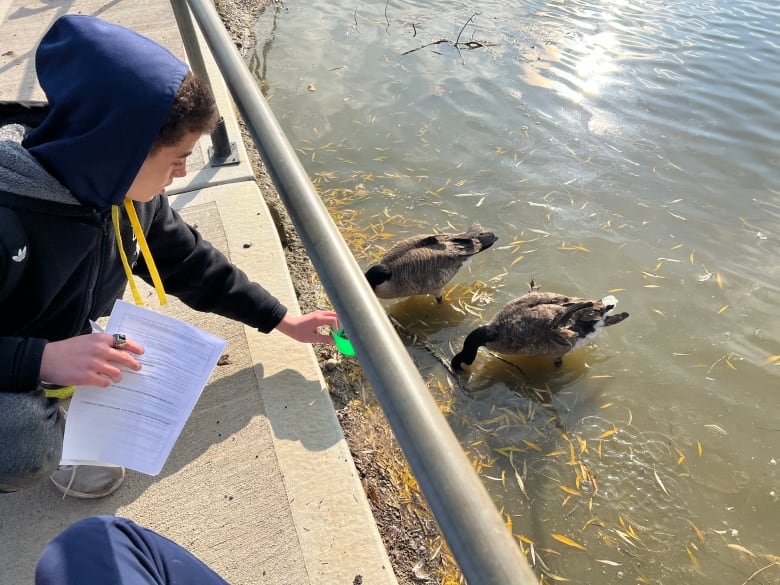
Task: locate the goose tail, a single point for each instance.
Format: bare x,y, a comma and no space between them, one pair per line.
486,239
609,302
478,233
614,319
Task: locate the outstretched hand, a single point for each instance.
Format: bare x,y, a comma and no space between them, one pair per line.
88,360
305,328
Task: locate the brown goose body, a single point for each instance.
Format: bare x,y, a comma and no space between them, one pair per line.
541,324
423,265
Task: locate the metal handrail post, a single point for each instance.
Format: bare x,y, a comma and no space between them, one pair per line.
223,152
483,547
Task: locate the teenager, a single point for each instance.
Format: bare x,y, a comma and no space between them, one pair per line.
82,209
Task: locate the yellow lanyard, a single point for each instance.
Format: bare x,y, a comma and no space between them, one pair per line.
139,234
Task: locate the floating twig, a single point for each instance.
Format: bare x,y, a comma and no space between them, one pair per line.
457,39
759,571
457,44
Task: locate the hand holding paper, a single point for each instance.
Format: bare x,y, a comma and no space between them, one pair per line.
135,422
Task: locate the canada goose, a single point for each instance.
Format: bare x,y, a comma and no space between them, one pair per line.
540,324
422,265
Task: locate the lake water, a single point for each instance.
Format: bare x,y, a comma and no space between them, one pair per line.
631,147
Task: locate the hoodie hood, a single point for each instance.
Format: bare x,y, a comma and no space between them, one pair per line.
109,91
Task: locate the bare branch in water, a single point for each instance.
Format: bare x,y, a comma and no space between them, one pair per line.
426,45
457,40
457,44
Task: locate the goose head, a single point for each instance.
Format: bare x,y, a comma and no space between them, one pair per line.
377,275
474,340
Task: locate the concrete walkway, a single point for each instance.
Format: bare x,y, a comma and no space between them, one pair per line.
261,484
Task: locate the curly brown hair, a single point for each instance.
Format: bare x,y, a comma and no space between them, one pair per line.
193,110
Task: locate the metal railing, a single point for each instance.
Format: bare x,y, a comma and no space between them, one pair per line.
223,151
475,532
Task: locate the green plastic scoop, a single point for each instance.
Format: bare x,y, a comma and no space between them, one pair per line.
343,344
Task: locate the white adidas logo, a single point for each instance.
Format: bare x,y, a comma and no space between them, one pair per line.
20,255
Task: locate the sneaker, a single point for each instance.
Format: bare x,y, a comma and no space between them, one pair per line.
87,481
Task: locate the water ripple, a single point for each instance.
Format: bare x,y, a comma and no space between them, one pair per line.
613,145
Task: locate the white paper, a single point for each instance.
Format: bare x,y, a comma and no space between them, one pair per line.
135,422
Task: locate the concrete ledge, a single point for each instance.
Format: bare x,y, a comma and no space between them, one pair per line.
261,484
336,529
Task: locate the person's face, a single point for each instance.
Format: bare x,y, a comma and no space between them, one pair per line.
160,168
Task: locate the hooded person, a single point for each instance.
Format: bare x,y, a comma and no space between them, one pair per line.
81,211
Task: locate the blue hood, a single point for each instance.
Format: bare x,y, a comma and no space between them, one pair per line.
109,91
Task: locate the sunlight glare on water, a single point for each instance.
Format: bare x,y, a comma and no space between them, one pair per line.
613,146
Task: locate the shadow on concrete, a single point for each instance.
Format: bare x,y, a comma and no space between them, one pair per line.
228,408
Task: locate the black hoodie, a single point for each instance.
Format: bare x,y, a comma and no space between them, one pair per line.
109,90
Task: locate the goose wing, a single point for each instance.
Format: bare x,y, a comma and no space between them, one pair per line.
534,324
422,270
447,245
424,264
545,324
417,246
